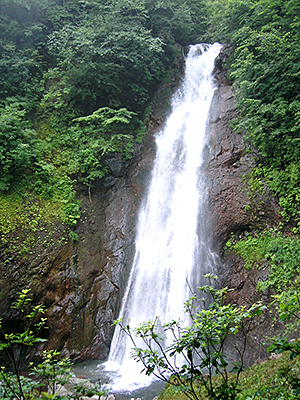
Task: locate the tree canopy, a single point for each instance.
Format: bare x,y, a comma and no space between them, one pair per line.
76,77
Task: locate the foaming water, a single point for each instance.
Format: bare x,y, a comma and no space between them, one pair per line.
97,373
172,252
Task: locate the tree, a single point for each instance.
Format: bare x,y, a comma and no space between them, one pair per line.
16,371
200,347
16,154
14,346
109,63
94,136
264,68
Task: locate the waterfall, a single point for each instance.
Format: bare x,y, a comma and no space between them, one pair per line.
172,252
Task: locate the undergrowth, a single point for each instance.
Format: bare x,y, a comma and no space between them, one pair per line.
26,221
284,184
273,251
269,380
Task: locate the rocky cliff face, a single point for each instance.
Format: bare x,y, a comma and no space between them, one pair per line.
82,282
230,160
232,210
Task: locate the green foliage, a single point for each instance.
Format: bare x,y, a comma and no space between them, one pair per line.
19,71
201,346
269,107
273,379
273,251
27,220
175,21
122,49
76,77
49,374
96,135
287,305
115,67
15,153
251,249
284,183
22,379
255,184
270,380
52,372
14,346
226,17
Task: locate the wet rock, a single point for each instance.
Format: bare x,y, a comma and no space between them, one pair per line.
69,388
228,162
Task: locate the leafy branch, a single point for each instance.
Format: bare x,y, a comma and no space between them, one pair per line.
198,352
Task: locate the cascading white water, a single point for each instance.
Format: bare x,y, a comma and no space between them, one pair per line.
171,249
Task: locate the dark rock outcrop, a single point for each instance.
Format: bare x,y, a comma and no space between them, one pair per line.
230,160
232,210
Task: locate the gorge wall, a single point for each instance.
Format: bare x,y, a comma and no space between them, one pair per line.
82,282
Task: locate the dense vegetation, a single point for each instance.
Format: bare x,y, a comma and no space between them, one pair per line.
204,373
76,77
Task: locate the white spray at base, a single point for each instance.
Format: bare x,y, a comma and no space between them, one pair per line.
172,253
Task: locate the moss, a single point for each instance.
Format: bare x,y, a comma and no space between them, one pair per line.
271,250
26,221
271,379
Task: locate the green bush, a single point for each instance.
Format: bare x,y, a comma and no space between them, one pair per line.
201,346
278,254
22,379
